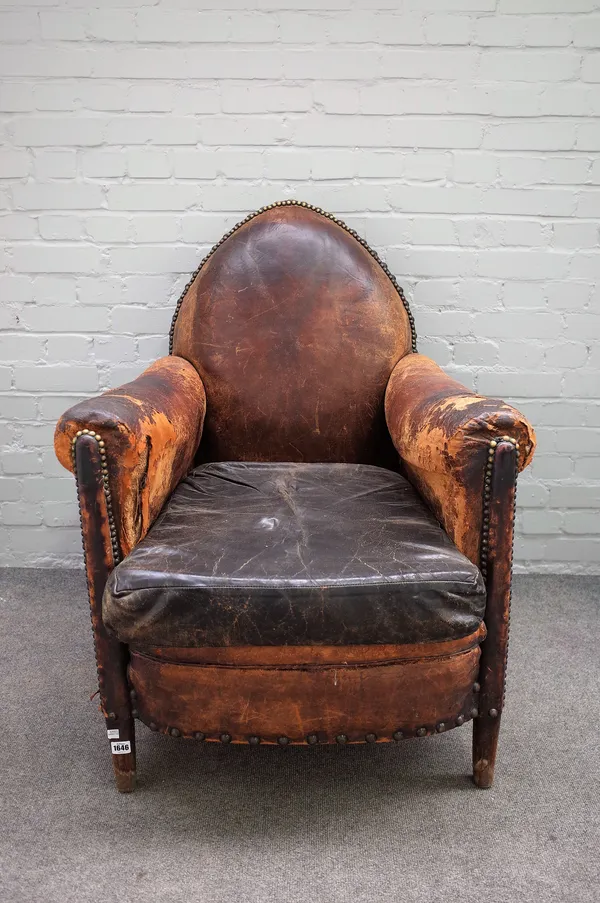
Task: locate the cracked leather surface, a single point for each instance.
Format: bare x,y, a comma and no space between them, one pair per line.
151,428
294,329
442,432
293,554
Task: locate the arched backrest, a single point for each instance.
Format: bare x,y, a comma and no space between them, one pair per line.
294,326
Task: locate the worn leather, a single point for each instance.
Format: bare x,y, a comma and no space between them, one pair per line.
293,554
151,428
442,432
294,329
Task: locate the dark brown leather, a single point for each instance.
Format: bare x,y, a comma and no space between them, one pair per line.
442,432
151,428
294,329
293,554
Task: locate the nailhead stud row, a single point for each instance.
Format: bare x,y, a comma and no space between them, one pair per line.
313,739
114,540
334,219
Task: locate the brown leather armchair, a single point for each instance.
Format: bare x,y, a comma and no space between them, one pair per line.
296,528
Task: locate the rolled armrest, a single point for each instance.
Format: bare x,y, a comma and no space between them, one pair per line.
149,431
442,432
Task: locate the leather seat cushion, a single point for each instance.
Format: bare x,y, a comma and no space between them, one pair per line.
293,554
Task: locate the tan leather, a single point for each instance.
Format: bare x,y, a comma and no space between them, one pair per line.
442,433
151,428
294,329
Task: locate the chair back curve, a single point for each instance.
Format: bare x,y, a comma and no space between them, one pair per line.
294,325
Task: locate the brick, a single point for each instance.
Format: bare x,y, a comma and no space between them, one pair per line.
449,133
60,514
542,522
567,354
581,522
154,130
529,66
60,25
67,348
23,461
74,319
114,349
36,489
161,197
573,496
21,348
56,377
17,226
109,229
38,258
10,489
104,164
16,97
531,136
137,321
506,384
166,25
66,228
111,25
54,196
55,164
154,229
54,290
19,26
148,164
14,164
150,98
19,513
73,132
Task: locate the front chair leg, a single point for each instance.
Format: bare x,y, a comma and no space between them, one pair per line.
485,745
123,754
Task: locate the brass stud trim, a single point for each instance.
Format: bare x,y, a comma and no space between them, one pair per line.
371,738
225,738
440,728
175,732
312,739
421,731
493,713
283,741
254,741
342,739
397,735
199,735
153,726
291,202
460,720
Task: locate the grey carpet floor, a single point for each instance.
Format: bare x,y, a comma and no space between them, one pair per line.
344,825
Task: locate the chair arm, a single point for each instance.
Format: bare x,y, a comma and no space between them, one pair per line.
443,434
148,432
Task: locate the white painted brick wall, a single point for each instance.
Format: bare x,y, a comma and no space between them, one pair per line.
461,137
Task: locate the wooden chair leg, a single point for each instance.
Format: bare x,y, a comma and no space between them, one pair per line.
123,756
485,745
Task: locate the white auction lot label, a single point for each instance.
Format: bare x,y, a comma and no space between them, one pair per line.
119,748
113,733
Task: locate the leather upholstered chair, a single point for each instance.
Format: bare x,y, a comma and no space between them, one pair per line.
296,528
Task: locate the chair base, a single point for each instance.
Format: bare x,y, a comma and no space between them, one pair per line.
287,695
